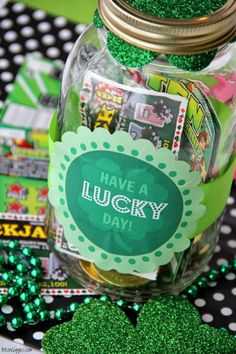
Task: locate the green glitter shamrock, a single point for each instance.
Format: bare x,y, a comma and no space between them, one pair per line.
125,53
97,21
133,56
128,54
178,9
169,325
192,62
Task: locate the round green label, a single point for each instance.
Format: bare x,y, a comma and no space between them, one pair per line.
123,204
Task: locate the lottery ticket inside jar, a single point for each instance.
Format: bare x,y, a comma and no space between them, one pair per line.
135,145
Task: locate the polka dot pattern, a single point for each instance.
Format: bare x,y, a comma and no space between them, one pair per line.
60,22
232,326
233,213
39,15
7,309
6,76
27,31
10,328
18,340
3,12
226,311
230,276
226,229
24,31
200,302
15,48
38,335
48,299
31,44
23,19
18,7
230,201
217,249
4,63
212,284
65,34
6,24
207,318
221,261
48,39
232,243
10,36
53,52
234,291
220,298
44,27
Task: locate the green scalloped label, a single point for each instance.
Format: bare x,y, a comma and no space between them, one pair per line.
122,203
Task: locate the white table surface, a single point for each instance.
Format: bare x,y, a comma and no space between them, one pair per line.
6,344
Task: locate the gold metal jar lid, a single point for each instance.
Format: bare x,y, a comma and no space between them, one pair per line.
170,36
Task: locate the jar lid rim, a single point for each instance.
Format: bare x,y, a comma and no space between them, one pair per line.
168,35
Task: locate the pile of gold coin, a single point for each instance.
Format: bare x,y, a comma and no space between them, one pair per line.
112,277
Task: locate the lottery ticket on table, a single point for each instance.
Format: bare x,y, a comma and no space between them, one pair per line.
25,118
23,195
32,101
29,230
23,162
145,114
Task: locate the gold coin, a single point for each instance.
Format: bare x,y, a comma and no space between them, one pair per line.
91,271
204,250
197,238
121,280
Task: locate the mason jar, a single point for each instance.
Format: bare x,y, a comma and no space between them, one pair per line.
141,146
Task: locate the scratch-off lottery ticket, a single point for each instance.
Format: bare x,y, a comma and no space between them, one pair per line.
145,114
30,232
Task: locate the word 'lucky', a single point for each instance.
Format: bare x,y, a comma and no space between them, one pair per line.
121,203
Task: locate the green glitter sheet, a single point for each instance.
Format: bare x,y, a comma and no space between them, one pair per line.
133,56
168,325
176,8
128,54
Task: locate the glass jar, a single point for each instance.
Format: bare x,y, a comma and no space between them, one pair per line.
191,113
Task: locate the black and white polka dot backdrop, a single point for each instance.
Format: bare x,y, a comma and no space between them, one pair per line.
25,31
22,31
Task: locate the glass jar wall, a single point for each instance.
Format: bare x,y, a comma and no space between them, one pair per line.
91,67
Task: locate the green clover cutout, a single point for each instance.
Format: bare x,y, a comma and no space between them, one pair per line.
193,62
97,21
128,54
168,325
125,53
177,9
133,56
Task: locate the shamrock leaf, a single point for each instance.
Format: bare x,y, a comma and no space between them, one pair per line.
132,56
168,325
171,325
128,54
97,327
192,62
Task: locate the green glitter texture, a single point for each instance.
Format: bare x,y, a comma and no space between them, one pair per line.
194,62
97,327
178,9
132,56
128,54
97,21
166,325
